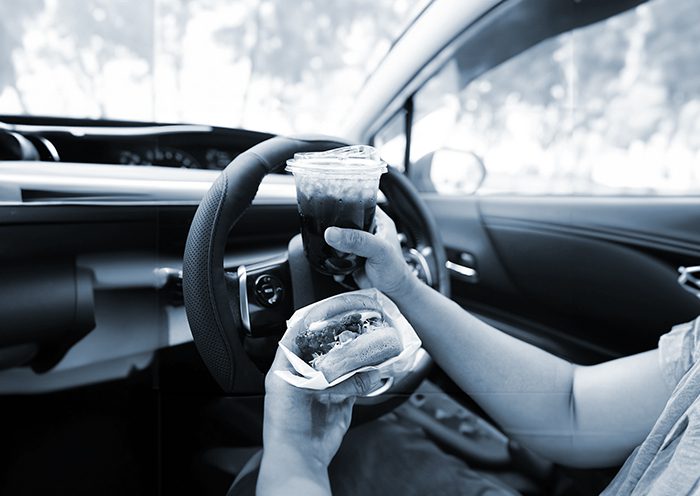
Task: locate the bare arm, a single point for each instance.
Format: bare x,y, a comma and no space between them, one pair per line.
574,415
583,416
283,470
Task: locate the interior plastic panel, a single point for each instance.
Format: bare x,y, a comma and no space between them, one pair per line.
463,232
666,223
600,271
624,297
121,248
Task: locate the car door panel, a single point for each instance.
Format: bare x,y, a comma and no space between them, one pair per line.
667,223
463,233
587,278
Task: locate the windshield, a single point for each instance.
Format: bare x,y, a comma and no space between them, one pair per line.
271,65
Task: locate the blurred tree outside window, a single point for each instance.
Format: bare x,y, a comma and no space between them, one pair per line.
390,140
608,109
281,66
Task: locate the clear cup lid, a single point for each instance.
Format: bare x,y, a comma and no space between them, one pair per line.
357,159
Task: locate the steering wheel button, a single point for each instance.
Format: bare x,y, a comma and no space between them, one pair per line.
268,290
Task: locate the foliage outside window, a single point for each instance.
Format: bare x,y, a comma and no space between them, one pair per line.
612,108
390,140
282,66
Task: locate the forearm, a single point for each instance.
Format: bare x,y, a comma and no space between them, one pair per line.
575,415
572,414
285,470
525,389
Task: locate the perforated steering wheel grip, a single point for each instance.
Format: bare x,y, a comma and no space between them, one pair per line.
214,319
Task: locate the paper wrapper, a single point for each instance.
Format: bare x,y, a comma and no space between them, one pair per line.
373,299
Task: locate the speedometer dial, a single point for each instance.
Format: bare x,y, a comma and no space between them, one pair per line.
163,156
127,157
171,157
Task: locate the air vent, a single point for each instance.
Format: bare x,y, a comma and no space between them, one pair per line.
14,146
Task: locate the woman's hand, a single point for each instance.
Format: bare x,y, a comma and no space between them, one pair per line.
385,267
303,429
314,421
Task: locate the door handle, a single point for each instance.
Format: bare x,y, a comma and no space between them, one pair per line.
689,280
465,269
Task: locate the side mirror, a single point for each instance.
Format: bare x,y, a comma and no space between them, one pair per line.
449,172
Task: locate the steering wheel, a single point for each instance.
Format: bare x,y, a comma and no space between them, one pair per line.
237,316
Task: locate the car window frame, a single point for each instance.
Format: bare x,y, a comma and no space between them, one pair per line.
501,19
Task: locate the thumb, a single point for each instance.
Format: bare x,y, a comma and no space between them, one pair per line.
354,241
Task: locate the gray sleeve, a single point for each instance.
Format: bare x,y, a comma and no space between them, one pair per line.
679,350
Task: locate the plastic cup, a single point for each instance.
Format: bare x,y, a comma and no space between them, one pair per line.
335,188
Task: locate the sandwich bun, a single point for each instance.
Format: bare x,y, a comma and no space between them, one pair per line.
371,348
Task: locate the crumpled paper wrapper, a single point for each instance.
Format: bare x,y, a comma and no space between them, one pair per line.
370,299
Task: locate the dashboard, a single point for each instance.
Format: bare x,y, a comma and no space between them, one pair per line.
94,216
122,143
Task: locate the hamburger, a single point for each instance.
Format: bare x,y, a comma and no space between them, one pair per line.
348,341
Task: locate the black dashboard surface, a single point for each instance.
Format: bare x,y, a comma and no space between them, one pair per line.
129,143
90,213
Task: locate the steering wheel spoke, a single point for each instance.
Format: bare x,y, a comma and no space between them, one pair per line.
421,262
264,295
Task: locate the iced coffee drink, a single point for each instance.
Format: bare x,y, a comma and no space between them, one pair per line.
335,188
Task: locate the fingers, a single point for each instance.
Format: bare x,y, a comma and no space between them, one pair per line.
381,215
354,241
384,222
358,385
363,243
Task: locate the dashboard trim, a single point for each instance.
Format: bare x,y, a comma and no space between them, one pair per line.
120,185
71,184
80,131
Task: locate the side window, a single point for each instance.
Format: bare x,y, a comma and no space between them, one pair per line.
390,140
608,109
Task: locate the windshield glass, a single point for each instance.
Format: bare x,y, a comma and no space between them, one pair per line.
272,65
